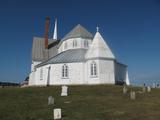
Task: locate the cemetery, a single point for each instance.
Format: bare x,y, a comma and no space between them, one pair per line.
96,102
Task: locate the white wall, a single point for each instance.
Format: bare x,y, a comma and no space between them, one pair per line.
41,80
39,76
80,44
79,73
76,74
88,78
33,72
107,71
34,63
32,79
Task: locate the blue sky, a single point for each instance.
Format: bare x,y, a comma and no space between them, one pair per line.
130,27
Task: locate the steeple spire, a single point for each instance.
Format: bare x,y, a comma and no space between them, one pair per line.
99,48
55,30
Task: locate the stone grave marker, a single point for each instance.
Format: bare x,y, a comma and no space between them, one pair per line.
148,89
154,85
124,89
50,100
64,91
132,95
143,89
57,114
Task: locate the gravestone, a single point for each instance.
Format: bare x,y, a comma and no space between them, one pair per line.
148,89
124,89
57,114
143,89
50,100
154,85
132,95
64,91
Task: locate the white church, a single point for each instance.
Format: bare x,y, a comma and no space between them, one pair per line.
79,58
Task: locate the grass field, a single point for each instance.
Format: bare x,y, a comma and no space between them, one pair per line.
102,102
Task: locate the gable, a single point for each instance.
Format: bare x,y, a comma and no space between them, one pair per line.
99,48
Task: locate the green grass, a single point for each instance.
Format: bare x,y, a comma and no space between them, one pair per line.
102,102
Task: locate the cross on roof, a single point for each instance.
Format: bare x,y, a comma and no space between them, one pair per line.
97,29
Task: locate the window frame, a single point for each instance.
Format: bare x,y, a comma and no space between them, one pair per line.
65,71
74,43
86,44
93,69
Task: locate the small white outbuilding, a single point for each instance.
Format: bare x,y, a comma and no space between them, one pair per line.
78,58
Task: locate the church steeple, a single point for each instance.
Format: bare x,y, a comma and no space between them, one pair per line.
99,48
55,30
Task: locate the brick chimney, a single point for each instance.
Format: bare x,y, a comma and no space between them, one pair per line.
46,31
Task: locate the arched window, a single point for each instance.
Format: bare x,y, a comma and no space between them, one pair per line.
64,71
93,69
65,45
86,43
74,43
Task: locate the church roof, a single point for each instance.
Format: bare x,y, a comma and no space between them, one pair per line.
39,53
99,48
78,31
69,56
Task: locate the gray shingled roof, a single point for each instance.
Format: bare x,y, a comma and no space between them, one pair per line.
78,31
39,53
69,56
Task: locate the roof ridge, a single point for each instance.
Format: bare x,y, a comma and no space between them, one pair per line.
78,31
